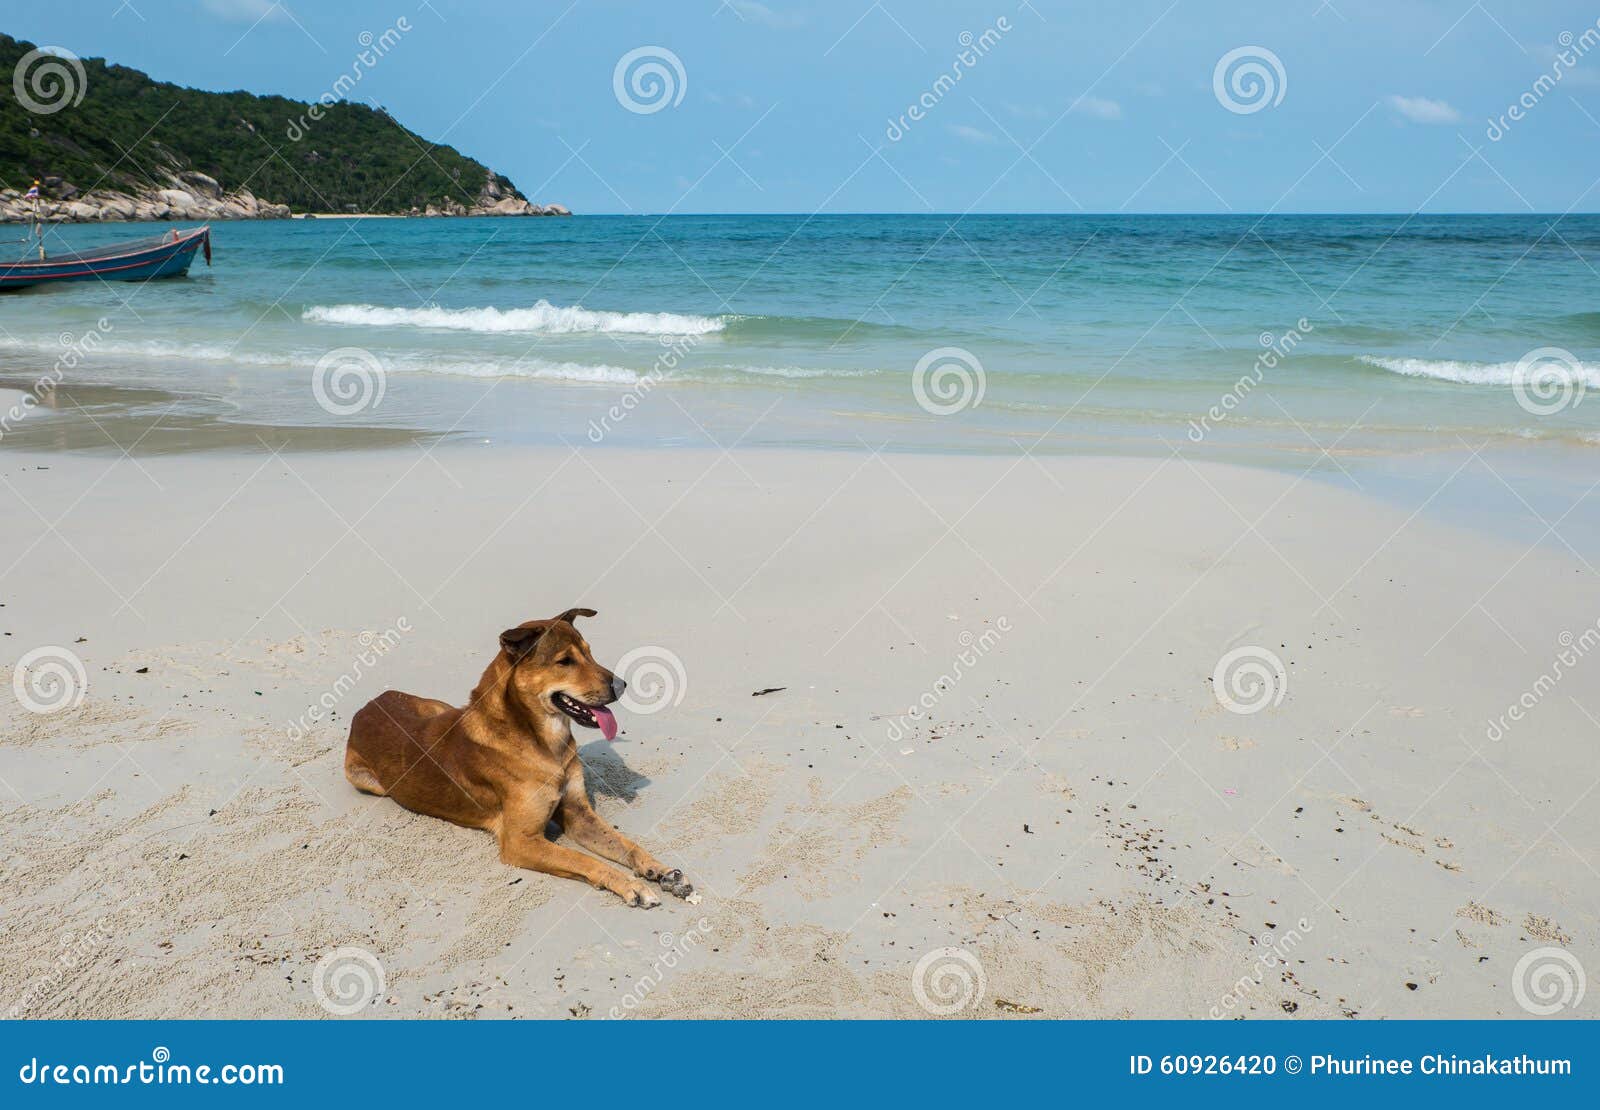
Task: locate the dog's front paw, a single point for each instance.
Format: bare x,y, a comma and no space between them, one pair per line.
673,882
638,894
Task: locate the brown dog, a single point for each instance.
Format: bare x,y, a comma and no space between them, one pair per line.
507,762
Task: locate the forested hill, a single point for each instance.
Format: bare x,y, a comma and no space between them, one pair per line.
85,124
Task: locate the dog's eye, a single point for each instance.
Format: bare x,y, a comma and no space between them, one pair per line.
564,661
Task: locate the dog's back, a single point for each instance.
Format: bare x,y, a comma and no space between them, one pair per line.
389,736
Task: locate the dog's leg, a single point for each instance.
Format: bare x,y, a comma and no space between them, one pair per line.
360,775
588,828
523,844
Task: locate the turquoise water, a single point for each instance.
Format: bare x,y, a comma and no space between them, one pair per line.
1385,332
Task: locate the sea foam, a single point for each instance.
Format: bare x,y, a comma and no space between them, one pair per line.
1473,373
543,318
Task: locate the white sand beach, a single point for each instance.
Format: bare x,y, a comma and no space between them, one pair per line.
1072,811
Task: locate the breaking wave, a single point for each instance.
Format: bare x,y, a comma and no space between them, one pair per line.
543,318
1471,373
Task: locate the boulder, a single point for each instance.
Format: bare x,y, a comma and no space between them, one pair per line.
116,207
510,206
179,200
201,184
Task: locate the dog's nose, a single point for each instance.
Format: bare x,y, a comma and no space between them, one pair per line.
617,686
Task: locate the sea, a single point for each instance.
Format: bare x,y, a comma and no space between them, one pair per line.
1285,339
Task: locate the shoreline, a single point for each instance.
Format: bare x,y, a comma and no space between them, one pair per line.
1506,485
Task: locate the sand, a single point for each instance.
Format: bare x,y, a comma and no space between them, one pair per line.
1071,824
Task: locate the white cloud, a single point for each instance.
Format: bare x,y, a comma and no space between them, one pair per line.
1096,107
1419,109
971,134
249,11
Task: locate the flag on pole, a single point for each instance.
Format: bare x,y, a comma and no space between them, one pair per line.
33,193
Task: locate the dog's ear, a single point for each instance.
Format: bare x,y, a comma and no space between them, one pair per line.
570,613
517,642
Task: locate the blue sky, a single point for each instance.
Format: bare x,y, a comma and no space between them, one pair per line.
781,106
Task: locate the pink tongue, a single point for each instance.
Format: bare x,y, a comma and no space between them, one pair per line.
607,722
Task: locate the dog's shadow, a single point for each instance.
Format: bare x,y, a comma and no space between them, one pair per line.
607,774
604,774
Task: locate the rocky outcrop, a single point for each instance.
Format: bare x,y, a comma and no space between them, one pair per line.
191,195
493,200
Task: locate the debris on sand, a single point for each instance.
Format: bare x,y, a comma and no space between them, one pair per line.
1015,1007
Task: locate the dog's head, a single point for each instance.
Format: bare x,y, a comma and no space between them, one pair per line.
553,671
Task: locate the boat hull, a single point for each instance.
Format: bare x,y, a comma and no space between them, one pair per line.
171,258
